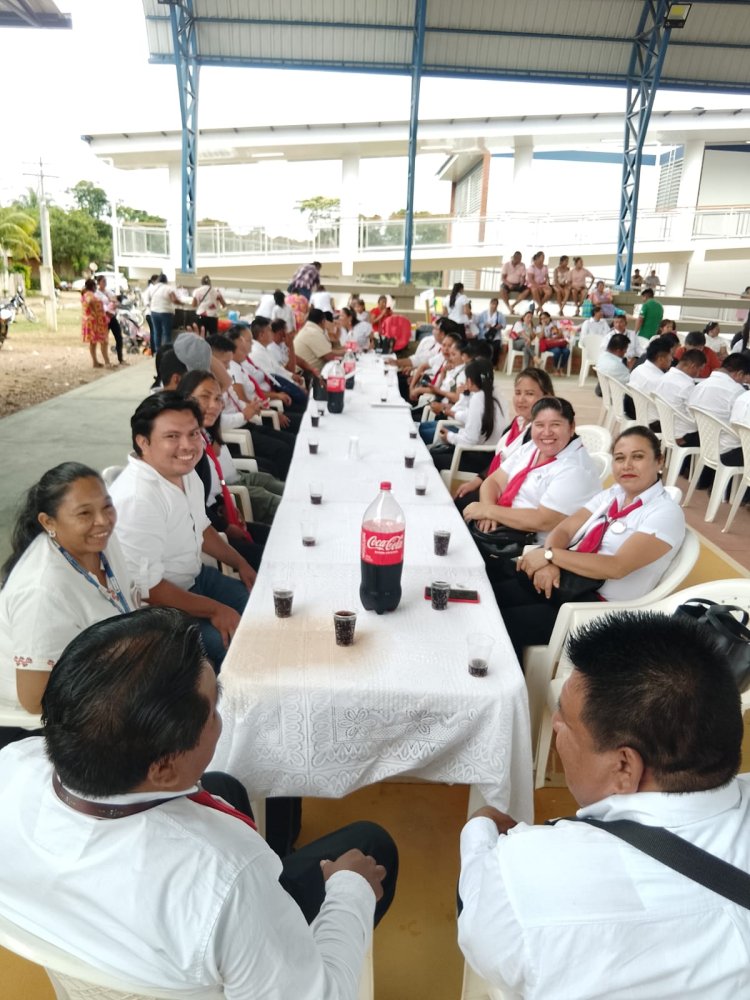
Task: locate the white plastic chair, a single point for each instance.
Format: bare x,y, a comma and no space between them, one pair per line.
73,979
709,430
617,420
732,591
744,435
642,402
13,716
111,473
677,452
606,411
241,437
590,348
541,662
594,437
603,462
512,355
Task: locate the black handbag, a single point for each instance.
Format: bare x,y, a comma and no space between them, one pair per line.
502,543
573,586
732,636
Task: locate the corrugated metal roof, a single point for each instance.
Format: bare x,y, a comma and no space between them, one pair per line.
32,14
586,41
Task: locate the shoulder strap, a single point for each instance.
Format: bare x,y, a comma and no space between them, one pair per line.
682,856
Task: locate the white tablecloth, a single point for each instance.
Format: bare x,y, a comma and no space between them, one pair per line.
303,716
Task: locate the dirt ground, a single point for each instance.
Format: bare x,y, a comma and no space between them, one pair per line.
37,364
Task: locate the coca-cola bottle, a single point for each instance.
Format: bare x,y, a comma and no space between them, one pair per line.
335,385
382,553
350,365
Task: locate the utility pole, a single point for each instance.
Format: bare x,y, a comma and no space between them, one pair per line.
46,275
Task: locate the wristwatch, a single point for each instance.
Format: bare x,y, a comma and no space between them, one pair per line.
549,555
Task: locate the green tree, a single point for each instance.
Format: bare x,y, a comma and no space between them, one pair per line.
127,214
90,199
17,233
77,239
320,209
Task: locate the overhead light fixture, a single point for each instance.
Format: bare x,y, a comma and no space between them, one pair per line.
677,15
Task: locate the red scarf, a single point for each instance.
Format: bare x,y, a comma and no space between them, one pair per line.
204,798
263,396
437,374
592,540
516,429
230,508
513,486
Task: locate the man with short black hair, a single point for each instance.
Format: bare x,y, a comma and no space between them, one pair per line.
696,340
612,361
649,730
717,395
163,528
652,312
137,870
648,376
676,387
313,345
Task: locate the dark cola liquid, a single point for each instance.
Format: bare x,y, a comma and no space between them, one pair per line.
439,599
313,448
409,461
307,541
316,498
335,402
441,541
344,630
478,668
421,491
314,419
380,590
282,604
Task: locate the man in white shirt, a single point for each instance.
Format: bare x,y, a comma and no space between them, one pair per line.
717,395
676,387
571,910
612,360
163,529
262,358
143,874
740,415
597,326
648,376
637,345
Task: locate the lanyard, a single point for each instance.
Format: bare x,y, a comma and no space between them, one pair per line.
230,508
111,592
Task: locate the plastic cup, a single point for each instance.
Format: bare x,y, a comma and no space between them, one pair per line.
344,623
441,541
420,483
312,444
409,456
307,532
413,434
315,419
440,590
353,452
316,493
478,650
282,601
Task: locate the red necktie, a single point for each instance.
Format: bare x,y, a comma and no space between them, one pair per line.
233,515
261,394
516,428
592,540
514,485
437,374
203,798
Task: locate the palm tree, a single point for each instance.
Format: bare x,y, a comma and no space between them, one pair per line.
16,234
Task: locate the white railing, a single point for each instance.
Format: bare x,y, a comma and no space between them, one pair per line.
501,233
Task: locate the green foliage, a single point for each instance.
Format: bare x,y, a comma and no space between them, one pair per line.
77,239
320,209
212,222
127,214
17,233
90,199
25,270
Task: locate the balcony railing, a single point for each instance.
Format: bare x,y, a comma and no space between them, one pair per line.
501,233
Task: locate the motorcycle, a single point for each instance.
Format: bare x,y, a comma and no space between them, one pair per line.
131,322
7,315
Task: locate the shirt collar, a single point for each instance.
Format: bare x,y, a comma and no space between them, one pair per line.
668,809
652,493
132,797
149,472
677,373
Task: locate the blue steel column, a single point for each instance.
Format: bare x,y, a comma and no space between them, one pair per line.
420,20
185,46
644,72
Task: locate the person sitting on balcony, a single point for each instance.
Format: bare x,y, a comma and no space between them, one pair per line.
305,280
696,341
676,388
581,280
561,283
600,295
713,340
537,278
513,279
523,338
651,315
636,281
653,281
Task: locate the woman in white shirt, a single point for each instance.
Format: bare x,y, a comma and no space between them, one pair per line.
623,539
523,338
459,305
65,572
713,340
322,300
485,419
282,311
207,300
163,302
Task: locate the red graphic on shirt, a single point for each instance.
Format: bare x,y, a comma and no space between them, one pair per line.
381,549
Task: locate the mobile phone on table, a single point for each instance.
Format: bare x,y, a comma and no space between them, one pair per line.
458,595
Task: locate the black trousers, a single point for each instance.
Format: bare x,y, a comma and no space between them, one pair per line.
252,551
114,326
472,461
463,502
529,617
274,447
301,876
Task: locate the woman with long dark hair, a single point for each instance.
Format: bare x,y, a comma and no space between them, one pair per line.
741,338
64,573
459,305
484,420
94,328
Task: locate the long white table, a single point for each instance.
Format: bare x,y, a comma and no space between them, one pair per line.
303,716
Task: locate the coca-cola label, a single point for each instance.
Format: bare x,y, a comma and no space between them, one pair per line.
381,548
351,345
349,366
335,383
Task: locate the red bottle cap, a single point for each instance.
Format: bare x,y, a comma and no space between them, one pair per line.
385,486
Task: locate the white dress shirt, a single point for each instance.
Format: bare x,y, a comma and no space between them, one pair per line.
45,603
612,365
564,485
281,355
263,358
285,312
159,526
675,388
658,515
179,897
427,348
487,320
361,332
636,348
648,378
717,395
741,410
457,312
598,328
471,433
266,306
571,911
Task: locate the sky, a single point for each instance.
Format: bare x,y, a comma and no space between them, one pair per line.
97,78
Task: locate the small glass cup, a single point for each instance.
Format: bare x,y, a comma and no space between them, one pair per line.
316,493
315,419
353,452
478,649
383,398
312,444
344,623
413,434
440,590
307,532
441,540
282,601
420,483
409,456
